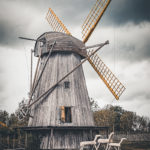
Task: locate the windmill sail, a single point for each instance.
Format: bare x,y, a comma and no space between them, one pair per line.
110,80
93,18
113,84
56,23
61,113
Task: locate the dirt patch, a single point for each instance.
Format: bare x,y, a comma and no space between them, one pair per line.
135,146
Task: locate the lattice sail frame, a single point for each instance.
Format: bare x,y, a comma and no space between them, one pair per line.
55,22
110,80
113,84
93,18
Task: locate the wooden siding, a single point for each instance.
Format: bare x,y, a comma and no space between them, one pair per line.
59,139
47,111
66,55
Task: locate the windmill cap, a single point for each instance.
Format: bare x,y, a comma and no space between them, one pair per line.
63,43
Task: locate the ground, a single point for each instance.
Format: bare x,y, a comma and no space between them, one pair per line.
136,146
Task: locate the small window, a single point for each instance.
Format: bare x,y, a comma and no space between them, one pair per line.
42,42
67,84
66,114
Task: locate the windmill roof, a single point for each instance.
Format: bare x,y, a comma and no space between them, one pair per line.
64,43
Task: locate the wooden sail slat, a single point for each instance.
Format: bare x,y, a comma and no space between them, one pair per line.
56,23
110,80
93,18
56,84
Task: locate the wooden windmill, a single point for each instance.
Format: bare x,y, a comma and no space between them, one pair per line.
59,100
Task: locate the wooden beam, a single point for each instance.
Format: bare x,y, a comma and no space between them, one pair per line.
52,87
51,138
24,38
31,66
34,86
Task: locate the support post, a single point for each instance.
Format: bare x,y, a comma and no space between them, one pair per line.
31,66
19,137
49,90
14,141
26,140
8,141
107,132
91,134
51,139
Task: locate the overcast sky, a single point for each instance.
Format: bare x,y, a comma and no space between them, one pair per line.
126,24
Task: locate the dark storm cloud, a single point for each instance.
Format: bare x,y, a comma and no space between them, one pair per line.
8,34
118,12
20,19
129,42
71,12
13,23
17,17
23,18
124,11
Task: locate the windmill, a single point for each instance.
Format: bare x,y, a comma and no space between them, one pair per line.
59,100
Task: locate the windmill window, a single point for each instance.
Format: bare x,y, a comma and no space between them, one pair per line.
66,114
42,42
67,84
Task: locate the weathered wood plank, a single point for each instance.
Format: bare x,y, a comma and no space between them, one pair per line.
76,96
66,55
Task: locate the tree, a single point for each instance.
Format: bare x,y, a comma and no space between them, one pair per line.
127,121
103,118
142,123
4,116
119,119
148,125
13,120
118,113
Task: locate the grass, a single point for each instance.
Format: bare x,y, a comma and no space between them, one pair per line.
135,146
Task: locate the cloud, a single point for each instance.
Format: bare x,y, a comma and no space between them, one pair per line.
137,80
118,12
125,24
21,19
27,18
129,42
135,77
134,43
14,78
125,11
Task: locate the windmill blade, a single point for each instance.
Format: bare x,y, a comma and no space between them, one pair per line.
110,80
49,90
93,18
55,22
